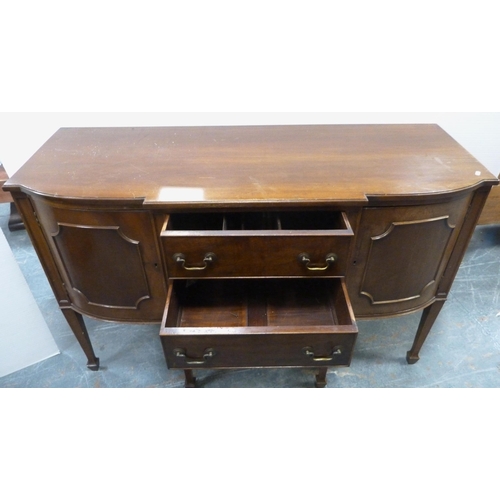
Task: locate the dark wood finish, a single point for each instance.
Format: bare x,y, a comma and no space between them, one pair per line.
292,315
15,222
5,196
491,211
75,321
108,209
265,323
418,241
190,379
188,167
321,378
240,248
108,258
429,315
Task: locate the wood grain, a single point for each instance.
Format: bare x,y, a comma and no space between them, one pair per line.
177,167
491,211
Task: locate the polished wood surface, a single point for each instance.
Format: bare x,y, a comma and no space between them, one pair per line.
491,211
257,244
245,323
108,259
202,166
417,241
124,218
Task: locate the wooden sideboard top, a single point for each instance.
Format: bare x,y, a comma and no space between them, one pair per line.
242,165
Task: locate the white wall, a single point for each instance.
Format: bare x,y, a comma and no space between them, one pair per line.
21,134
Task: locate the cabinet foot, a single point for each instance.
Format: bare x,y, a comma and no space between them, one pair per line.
429,315
411,359
190,379
93,366
321,378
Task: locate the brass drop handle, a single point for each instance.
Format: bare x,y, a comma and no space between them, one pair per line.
207,355
308,351
329,259
209,258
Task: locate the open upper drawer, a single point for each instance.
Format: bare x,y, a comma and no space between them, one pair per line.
256,244
249,323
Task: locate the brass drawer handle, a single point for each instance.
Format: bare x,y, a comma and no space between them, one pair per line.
207,355
329,259
209,258
308,351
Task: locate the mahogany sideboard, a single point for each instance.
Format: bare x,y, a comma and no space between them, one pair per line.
251,245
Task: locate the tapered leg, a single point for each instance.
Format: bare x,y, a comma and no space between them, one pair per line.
429,315
190,379
75,321
321,377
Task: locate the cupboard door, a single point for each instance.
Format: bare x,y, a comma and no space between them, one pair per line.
401,254
109,260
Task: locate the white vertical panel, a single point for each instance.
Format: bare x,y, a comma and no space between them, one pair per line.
25,338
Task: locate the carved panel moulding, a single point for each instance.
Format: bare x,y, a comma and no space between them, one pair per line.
104,266
418,243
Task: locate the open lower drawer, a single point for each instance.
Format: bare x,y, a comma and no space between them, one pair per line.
258,323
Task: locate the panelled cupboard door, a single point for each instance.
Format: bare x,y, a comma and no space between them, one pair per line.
401,254
109,260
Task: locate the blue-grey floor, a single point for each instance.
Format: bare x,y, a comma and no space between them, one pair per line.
463,349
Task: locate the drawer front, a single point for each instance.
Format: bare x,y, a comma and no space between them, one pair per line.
260,255
257,323
253,253
258,350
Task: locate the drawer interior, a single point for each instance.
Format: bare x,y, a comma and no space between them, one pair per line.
289,304
259,221
314,221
